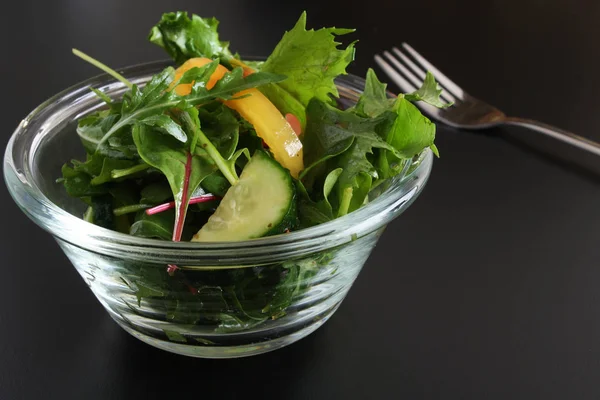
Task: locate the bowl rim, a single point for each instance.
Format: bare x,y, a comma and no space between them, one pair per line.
394,200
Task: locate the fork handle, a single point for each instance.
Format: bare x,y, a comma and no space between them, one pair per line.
556,133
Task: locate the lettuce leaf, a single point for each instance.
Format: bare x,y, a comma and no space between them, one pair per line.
348,152
429,93
374,99
311,60
411,131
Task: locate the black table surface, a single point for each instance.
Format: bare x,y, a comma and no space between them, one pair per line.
486,288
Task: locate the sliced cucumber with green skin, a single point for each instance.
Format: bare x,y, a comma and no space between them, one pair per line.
261,203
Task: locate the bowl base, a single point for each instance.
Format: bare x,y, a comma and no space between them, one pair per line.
223,352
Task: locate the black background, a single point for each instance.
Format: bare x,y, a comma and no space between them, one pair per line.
487,288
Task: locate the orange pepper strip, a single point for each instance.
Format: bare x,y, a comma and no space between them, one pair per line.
257,109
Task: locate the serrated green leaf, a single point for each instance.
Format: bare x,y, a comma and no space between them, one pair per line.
429,93
311,60
183,37
374,100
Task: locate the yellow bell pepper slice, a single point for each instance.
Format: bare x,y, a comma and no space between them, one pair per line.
258,110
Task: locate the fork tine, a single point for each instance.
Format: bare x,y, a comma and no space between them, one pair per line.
441,78
418,71
406,87
403,70
402,83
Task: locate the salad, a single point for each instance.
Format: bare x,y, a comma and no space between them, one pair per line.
220,148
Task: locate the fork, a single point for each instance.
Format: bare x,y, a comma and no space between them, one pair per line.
408,68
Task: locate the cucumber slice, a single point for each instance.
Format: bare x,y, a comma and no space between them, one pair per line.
261,203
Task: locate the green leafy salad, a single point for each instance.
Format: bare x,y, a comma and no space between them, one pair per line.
219,148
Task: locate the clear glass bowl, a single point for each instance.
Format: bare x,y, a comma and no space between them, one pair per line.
229,299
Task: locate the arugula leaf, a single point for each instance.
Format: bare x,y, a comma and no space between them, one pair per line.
330,132
336,139
429,93
312,213
216,184
120,145
92,165
184,38
124,193
108,166
309,214
92,128
221,127
156,193
159,226
155,98
374,100
102,211
296,276
409,132
311,61
130,172
412,131
166,124
354,183
78,183
182,170
330,181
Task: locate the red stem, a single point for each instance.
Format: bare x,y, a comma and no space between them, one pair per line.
178,229
180,215
194,200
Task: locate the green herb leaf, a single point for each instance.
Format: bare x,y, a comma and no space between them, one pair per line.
216,184
156,193
91,130
411,132
167,125
78,183
154,99
429,93
170,157
221,127
184,38
108,166
330,132
311,61
374,99
330,181
354,183
102,211
159,226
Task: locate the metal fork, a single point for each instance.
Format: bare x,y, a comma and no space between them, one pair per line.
407,69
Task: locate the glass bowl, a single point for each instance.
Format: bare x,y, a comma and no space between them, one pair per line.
228,299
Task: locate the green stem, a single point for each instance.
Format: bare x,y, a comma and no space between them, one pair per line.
130,209
103,67
212,151
119,173
88,216
345,201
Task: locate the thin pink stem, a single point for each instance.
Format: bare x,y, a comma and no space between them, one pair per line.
194,200
178,229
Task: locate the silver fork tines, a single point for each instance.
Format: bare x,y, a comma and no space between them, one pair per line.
407,69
